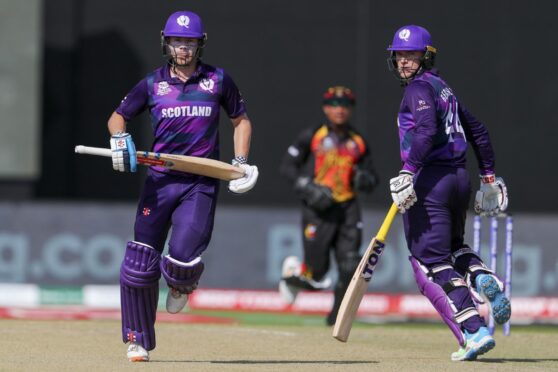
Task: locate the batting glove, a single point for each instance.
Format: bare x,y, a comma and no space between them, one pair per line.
123,152
492,198
402,190
248,181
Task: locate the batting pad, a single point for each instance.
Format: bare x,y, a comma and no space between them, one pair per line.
438,298
139,293
183,276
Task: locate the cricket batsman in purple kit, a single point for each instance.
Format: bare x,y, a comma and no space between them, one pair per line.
183,97
433,190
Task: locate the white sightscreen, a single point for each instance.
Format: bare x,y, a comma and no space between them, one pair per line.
20,88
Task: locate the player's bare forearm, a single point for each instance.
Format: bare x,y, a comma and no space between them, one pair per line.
116,124
242,135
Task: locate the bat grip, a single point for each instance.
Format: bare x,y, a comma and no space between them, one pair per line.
384,229
93,151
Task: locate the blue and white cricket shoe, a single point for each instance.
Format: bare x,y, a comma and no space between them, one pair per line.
492,291
476,344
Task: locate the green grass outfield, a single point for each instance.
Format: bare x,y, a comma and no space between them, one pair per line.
265,342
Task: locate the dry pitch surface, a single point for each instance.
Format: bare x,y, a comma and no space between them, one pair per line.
95,346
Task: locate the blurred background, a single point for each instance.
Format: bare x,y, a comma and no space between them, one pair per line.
66,65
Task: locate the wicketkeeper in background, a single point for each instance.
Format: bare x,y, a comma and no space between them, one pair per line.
183,97
433,191
327,165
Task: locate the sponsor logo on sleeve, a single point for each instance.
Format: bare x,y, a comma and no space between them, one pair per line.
422,105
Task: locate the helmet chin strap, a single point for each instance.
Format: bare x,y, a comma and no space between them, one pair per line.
407,80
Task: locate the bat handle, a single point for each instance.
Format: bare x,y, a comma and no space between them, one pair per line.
93,151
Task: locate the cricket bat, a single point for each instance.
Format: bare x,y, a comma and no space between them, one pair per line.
188,164
361,278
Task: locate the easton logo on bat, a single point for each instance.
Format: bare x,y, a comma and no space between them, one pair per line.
372,261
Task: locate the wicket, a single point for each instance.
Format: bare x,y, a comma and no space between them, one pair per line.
477,226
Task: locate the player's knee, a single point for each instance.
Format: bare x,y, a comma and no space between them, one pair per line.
450,282
444,287
183,276
196,239
140,267
469,264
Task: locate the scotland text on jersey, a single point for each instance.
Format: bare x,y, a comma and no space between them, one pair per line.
178,111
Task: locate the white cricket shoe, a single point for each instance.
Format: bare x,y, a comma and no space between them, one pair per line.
176,301
288,292
136,353
291,267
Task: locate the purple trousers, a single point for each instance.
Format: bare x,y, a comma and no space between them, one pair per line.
435,228
185,202
435,225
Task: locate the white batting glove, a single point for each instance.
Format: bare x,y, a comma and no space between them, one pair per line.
402,190
248,181
492,198
123,152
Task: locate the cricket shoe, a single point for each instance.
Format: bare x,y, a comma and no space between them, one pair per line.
476,344
288,292
291,268
176,300
491,290
289,287
136,353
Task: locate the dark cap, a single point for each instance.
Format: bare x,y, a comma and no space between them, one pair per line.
338,96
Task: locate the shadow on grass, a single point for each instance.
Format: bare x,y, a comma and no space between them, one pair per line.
341,362
517,360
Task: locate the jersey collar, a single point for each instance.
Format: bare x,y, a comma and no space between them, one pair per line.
163,74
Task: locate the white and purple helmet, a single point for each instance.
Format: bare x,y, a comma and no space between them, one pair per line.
183,24
411,38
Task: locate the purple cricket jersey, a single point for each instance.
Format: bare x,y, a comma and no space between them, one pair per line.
184,115
434,127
